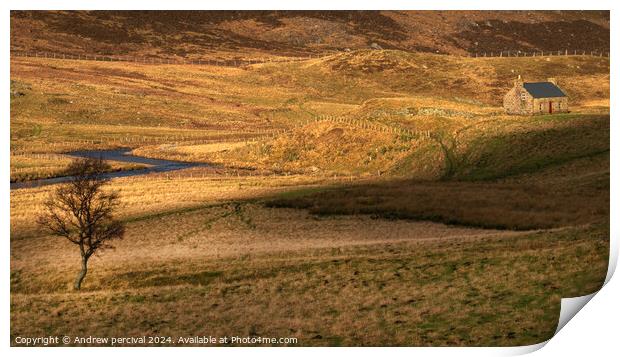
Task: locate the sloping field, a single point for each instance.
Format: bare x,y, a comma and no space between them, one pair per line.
60,105
325,281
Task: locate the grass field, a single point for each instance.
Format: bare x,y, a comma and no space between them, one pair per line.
390,283
352,199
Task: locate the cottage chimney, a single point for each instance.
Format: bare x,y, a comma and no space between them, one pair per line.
552,80
519,81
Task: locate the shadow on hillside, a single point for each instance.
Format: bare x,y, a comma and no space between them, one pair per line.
534,180
498,205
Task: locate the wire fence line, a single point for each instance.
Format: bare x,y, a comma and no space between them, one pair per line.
34,152
40,148
241,62
234,62
40,155
519,53
370,125
29,178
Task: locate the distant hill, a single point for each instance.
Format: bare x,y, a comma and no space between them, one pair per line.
208,33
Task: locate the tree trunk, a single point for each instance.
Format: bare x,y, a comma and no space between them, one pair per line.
82,274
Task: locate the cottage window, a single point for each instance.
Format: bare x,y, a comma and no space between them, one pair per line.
559,105
523,97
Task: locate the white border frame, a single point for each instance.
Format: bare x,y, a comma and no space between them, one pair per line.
598,322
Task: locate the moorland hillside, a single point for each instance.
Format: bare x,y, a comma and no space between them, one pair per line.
202,34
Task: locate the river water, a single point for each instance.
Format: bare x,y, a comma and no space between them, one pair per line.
156,165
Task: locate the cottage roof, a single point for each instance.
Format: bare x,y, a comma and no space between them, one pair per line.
543,90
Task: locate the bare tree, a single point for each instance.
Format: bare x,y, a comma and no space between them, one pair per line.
81,211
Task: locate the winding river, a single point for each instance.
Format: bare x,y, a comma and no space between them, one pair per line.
155,165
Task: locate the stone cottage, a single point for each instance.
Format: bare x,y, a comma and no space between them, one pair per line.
535,98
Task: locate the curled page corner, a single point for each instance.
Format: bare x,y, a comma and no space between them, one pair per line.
523,350
570,307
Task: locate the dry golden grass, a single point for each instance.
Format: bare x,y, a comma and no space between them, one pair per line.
329,281
480,148
192,153
67,104
553,197
159,193
196,234
324,148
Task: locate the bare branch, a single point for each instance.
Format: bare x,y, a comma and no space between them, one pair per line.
81,211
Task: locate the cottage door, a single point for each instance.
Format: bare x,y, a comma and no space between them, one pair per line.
550,108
